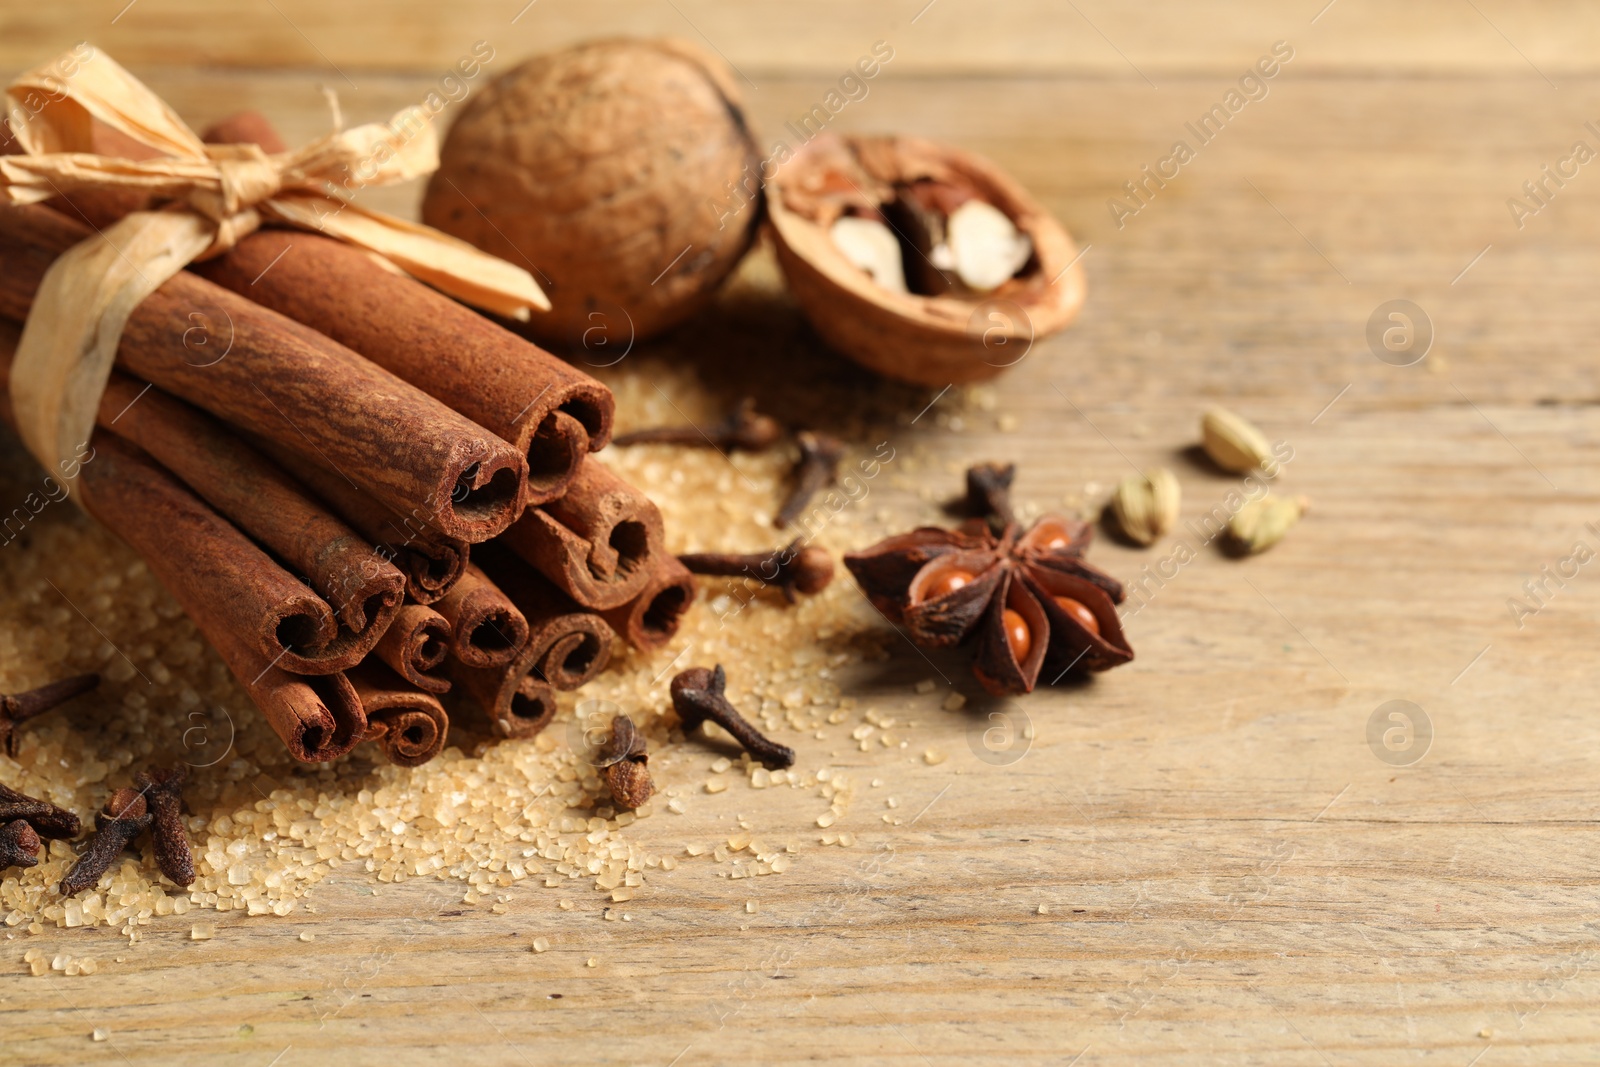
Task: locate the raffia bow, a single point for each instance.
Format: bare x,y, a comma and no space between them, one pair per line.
202,199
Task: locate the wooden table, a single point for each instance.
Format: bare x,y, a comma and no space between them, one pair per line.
1198,859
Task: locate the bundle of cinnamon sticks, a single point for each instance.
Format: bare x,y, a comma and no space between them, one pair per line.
370,499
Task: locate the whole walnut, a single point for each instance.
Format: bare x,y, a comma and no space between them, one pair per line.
620,172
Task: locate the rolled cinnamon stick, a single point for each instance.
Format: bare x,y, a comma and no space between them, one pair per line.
512,702
408,724
486,629
431,562
550,411
272,611
271,376
567,645
220,579
651,619
596,542
415,646
364,590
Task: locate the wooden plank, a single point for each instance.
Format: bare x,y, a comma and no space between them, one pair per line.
823,38
1199,859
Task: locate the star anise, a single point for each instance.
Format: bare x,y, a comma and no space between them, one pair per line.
1027,598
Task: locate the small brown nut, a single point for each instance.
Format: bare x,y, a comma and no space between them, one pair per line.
1236,445
622,170
1146,505
989,271
1260,524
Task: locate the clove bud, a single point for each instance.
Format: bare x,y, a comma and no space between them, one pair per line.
793,569
18,708
698,695
46,819
163,795
624,764
19,845
989,493
818,466
122,819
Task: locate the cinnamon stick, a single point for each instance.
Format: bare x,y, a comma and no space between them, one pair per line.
415,646
513,702
551,412
486,629
431,562
364,589
220,579
651,619
408,724
596,542
567,645
271,376
274,612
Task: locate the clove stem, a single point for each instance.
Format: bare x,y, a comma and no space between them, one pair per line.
699,696
18,708
124,818
793,569
744,429
818,467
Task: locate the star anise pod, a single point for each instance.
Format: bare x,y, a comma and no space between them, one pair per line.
1027,599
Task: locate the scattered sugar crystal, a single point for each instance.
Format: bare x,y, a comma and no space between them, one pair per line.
482,820
541,944
751,906
716,785
100,1035
927,685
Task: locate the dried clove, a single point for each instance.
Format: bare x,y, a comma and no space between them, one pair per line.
989,493
698,695
743,430
122,819
46,819
163,793
17,708
19,845
818,466
624,763
793,569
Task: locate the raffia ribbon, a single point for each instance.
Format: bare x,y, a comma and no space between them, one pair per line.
203,198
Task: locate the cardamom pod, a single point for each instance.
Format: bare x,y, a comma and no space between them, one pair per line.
1146,505
1236,445
1260,524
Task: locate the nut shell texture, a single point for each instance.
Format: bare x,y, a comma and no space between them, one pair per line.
926,340
605,169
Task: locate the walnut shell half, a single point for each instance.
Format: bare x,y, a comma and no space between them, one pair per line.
947,333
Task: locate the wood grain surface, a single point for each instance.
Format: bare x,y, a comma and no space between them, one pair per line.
1199,858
